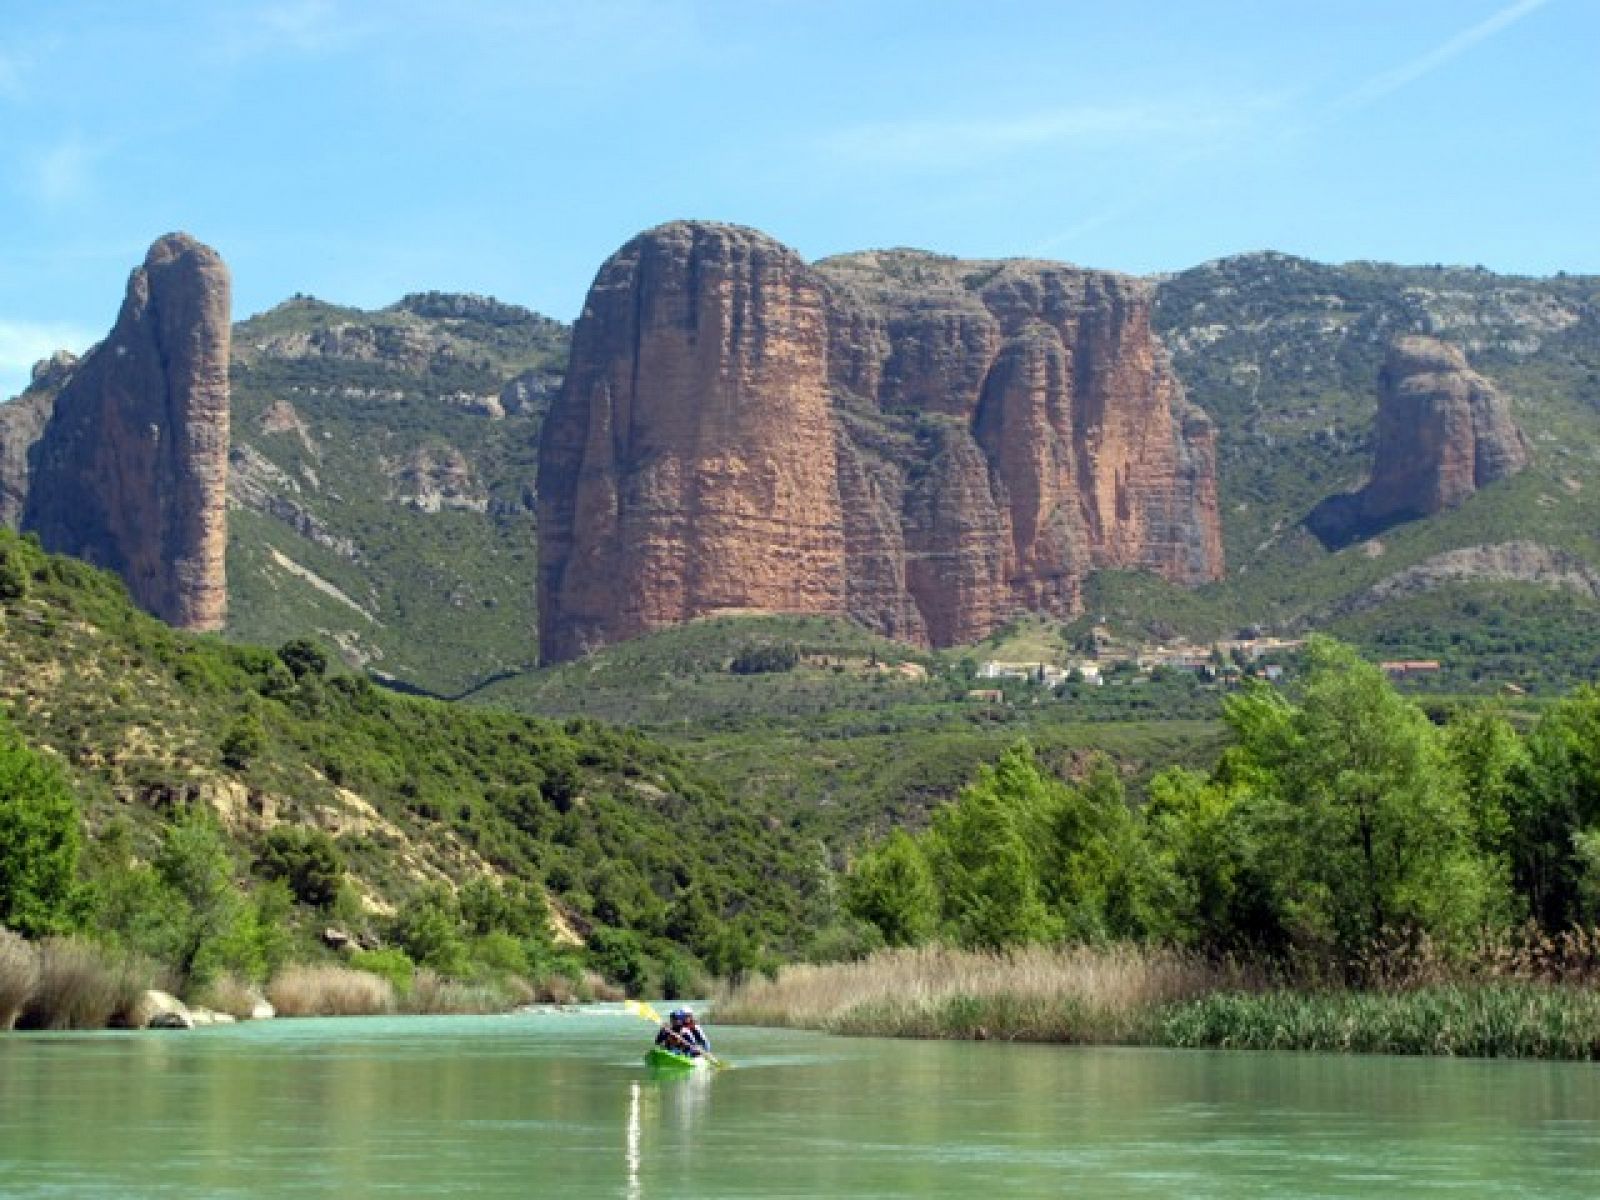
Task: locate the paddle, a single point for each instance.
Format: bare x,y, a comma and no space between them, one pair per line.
640,1009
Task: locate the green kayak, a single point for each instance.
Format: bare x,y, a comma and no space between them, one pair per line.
658,1059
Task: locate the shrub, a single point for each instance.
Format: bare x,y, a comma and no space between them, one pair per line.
39,842
330,992
388,963
244,742
428,929
307,860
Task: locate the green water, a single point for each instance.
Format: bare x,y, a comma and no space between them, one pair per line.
560,1105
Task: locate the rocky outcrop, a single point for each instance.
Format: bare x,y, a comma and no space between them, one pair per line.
924,444
1503,562
131,470
1442,432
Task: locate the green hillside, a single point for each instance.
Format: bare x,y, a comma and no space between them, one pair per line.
381,482
1284,355
151,725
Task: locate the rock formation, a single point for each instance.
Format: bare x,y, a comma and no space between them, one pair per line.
1442,432
131,470
924,444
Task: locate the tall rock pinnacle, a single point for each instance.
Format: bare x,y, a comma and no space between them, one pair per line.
1442,432
131,469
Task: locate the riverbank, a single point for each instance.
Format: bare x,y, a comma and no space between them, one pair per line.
73,983
1152,997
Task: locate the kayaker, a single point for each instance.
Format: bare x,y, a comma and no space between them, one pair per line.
694,1033
675,1035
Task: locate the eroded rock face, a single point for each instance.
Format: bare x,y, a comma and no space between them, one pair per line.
131,470
924,444
1443,432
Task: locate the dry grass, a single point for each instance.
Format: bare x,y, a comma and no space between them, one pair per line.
432,993
19,975
227,993
1059,994
330,992
595,987
81,987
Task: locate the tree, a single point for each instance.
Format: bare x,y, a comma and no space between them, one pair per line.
304,658
244,741
39,842
985,853
891,886
1362,814
305,859
193,862
428,929
1555,813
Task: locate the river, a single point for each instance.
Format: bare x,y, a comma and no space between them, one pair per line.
559,1105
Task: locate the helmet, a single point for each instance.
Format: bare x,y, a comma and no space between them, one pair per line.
686,1013
679,1014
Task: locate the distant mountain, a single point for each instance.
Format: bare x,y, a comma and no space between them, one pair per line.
381,481
1286,356
977,432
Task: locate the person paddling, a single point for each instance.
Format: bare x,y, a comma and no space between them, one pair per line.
676,1036
696,1035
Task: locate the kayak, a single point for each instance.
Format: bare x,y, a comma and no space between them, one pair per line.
658,1059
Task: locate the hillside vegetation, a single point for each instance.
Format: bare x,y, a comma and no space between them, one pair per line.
153,730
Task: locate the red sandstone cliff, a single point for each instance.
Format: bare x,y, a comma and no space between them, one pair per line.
924,444
130,471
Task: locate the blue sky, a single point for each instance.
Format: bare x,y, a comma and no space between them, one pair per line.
359,150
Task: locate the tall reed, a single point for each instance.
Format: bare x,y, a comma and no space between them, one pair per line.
1033,993
330,991
19,975
83,986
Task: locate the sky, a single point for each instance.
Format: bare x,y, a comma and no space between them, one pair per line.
357,150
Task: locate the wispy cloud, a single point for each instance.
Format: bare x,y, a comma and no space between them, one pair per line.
964,142
23,343
1393,80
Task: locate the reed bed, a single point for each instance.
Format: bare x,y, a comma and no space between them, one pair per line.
1035,993
329,991
227,993
1487,1020
19,975
1524,996
432,993
80,986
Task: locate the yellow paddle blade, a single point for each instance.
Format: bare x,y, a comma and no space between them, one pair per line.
640,1009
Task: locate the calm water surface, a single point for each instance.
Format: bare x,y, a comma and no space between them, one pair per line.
559,1105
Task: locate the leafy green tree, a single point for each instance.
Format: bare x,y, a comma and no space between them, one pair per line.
985,850
1361,812
307,860
428,929
243,742
1555,813
891,886
618,955
510,907
39,842
193,862
304,658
